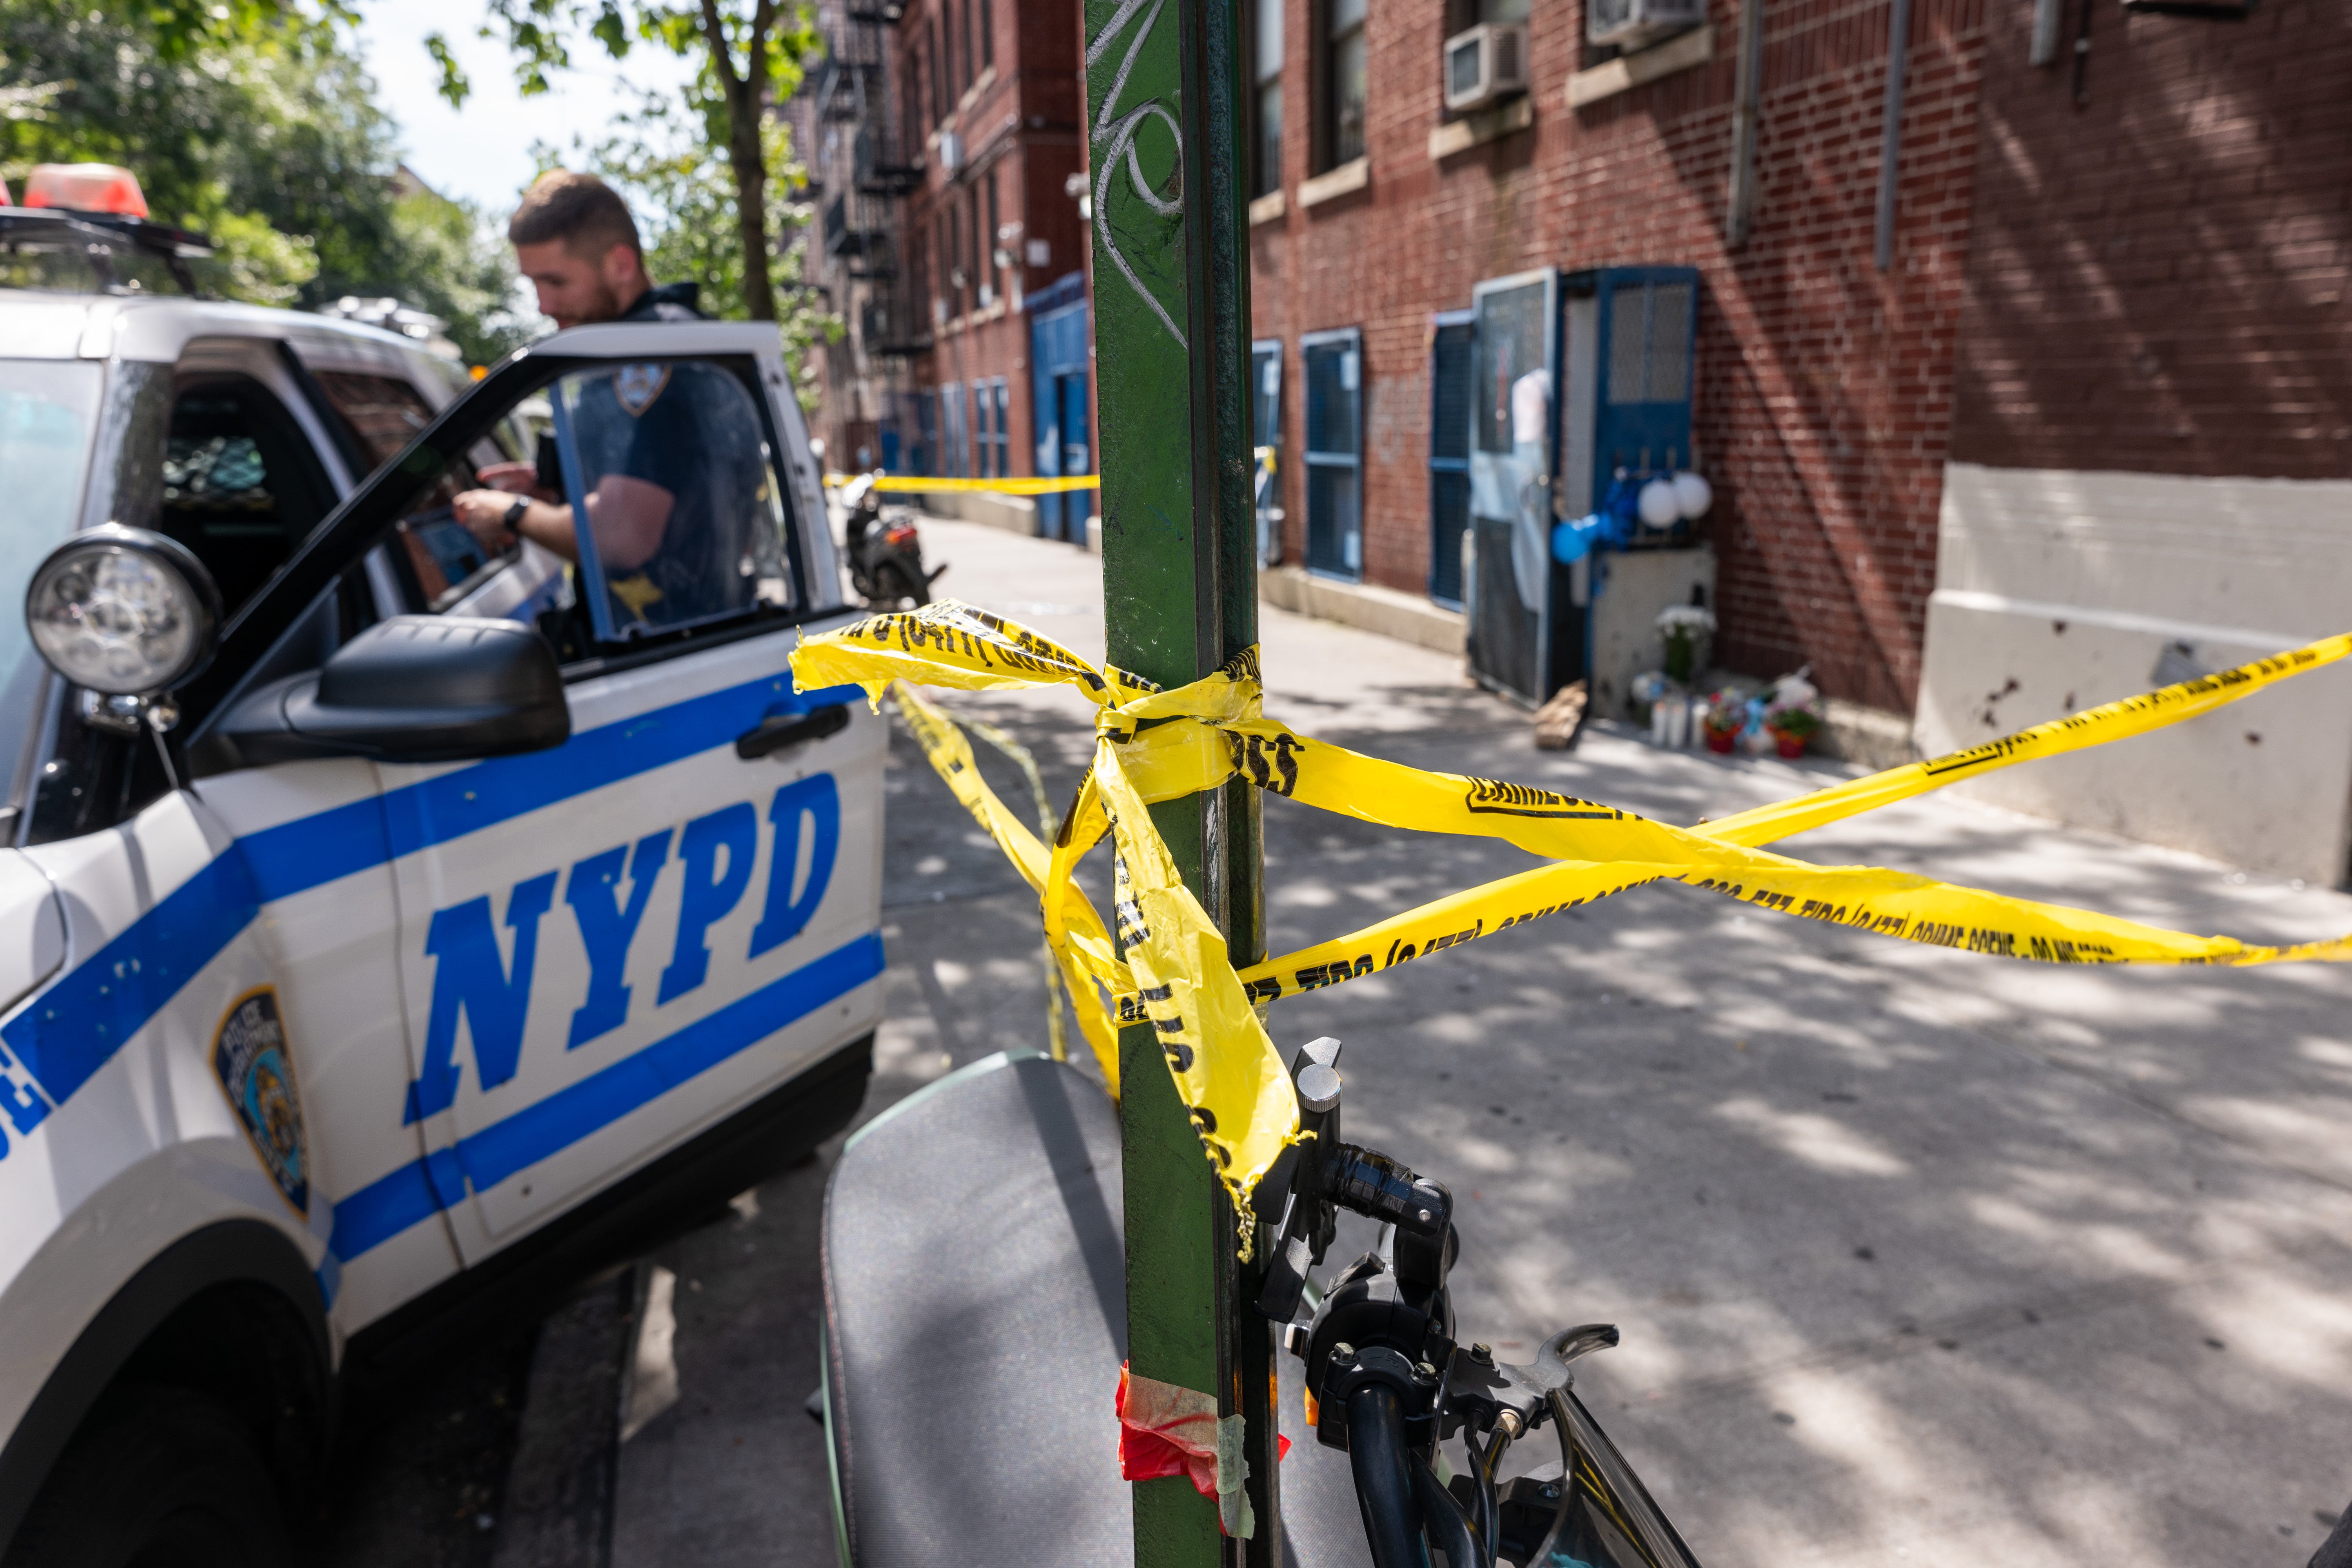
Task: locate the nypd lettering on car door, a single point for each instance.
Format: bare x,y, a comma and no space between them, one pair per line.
585,981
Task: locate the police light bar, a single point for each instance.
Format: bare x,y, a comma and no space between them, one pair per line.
86,187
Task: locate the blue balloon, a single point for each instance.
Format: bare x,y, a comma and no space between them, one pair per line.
1620,507
1572,541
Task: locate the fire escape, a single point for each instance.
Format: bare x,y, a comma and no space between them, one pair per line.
861,219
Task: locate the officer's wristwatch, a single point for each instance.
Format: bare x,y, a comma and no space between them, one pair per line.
513,518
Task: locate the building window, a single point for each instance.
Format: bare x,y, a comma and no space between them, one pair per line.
951,246
1265,439
983,288
914,100
1335,429
1344,64
925,456
958,455
992,412
988,34
1462,14
942,102
989,246
970,58
1266,98
983,444
944,248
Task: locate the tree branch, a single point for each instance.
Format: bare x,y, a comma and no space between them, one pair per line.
722,59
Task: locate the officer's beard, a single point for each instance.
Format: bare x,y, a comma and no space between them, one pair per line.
604,307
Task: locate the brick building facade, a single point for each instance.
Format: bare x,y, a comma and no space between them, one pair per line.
1823,386
947,136
1831,393
2158,275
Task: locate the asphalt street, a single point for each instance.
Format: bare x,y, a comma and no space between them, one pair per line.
1918,1256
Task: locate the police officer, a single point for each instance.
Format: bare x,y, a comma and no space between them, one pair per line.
669,451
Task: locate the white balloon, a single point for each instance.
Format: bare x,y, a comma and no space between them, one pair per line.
1657,505
1693,495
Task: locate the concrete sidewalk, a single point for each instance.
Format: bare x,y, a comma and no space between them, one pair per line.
1918,1256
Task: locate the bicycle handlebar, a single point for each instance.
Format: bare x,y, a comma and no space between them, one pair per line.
1384,1490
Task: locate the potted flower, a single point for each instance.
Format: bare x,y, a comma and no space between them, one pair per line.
1792,728
1727,715
1682,626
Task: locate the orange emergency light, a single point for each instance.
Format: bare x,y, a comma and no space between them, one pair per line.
86,187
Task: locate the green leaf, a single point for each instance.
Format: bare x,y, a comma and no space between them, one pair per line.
453,85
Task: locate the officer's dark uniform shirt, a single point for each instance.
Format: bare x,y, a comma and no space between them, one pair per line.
689,429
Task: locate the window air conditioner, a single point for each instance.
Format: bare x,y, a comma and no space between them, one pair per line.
1631,23
1485,64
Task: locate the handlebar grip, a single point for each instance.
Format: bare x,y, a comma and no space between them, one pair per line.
1380,1188
1377,1453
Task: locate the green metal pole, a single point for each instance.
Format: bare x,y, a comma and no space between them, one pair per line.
1179,596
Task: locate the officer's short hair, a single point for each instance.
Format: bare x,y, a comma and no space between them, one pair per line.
583,211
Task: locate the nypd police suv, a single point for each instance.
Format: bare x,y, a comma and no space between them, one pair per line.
390,927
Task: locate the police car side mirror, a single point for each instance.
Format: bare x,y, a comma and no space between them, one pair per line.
414,689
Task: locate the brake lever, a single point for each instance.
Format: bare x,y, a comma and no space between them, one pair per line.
1549,1371
1484,1393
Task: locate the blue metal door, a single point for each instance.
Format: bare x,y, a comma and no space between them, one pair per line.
1077,454
1647,325
1057,358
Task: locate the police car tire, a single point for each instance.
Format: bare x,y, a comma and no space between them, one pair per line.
165,1476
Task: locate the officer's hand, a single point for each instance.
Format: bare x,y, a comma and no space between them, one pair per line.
484,515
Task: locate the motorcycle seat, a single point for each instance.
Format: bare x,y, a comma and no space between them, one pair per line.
975,1319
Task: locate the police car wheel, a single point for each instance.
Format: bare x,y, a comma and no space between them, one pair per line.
165,1479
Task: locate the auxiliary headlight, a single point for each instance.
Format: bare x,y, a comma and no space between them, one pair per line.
122,611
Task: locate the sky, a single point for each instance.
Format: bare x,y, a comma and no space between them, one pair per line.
482,152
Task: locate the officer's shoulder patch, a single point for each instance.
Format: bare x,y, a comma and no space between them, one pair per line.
636,386
256,1072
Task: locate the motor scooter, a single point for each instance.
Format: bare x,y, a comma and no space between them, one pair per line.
886,556
975,1323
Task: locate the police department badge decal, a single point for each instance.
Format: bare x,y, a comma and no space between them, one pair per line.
256,1072
636,386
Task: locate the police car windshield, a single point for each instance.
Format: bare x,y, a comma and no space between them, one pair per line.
47,408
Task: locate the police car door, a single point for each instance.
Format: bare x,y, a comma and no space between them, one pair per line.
609,947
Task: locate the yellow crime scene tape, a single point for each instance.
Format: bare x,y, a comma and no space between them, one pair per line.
1008,486
1164,963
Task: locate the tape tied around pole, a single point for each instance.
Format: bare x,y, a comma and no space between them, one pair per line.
1162,962
1165,1432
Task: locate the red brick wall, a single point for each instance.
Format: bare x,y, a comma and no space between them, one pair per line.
1024,123
2157,280
1824,387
